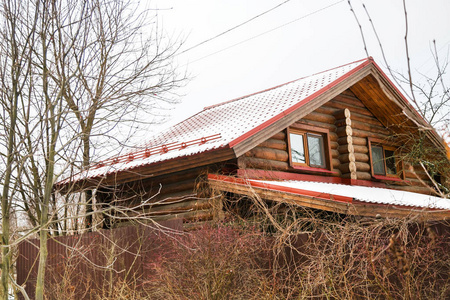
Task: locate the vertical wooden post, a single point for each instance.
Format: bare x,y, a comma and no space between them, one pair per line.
346,149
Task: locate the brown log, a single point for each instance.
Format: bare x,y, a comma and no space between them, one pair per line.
342,114
319,117
330,127
349,100
334,153
335,163
258,163
167,197
327,110
279,136
343,122
345,158
362,167
371,128
170,187
268,153
414,189
344,131
345,140
274,144
352,108
334,145
187,216
365,134
417,182
349,167
361,157
409,174
361,149
177,206
333,137
351,175
359,141
348,148
367,119
363,176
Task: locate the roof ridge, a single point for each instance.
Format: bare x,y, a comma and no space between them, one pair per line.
280,85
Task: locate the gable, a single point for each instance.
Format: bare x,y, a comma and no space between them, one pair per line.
349,129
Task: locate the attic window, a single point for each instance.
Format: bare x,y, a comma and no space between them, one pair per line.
384,161
308,147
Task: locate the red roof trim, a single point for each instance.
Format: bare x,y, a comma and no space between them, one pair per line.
274,187
248,134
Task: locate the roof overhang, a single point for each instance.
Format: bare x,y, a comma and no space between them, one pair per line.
146,171
318,198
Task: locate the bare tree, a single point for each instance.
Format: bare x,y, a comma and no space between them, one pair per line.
121,66
430,96
17,37
72,71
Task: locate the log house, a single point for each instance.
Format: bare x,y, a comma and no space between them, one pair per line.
345,128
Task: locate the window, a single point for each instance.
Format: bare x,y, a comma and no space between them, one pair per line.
308,147
383,160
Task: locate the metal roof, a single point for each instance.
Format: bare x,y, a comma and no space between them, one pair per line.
221,125
362,193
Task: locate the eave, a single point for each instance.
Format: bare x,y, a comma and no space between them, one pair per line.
149,171
319,200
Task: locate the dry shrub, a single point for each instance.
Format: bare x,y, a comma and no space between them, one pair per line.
214,262
368,259
311,255
290,254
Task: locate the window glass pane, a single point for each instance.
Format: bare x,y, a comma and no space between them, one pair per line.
316,151
390,162
297,148
377,160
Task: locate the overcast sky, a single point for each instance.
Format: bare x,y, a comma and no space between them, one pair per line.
296,39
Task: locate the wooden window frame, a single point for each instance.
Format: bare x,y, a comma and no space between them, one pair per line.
400,176
304,130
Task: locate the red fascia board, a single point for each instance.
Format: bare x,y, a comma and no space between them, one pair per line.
300,104
278,188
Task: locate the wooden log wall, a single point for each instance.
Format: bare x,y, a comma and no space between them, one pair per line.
350,123
175,196
272,154
363,125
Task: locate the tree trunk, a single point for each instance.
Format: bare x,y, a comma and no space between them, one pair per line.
88,193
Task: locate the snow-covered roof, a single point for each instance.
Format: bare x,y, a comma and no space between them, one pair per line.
223,125
361,193
329,193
